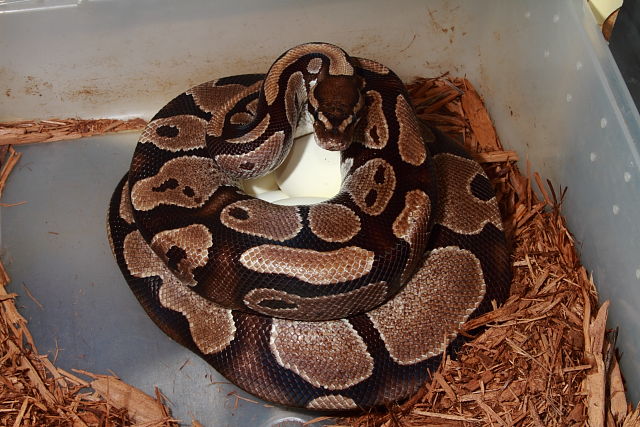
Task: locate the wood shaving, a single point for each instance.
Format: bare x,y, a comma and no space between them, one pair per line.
33,392
540,359
29,132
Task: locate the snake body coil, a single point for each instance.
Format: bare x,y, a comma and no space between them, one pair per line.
338,305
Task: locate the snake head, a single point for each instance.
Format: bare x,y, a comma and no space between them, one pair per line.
336,103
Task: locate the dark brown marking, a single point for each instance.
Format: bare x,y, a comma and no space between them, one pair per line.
167,131
170,184
481,188
371,197
239,213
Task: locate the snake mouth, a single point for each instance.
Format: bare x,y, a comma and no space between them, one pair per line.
332,140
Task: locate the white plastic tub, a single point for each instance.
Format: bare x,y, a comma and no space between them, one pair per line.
549,80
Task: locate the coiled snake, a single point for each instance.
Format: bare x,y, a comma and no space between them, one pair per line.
338,305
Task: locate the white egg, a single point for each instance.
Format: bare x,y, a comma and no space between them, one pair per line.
309,171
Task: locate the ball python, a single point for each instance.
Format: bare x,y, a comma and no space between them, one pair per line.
339,305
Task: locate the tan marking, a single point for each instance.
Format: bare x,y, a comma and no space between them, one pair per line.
252,107
410,143
125,210
413,219
333,222
411,226
431,307
263,219
362,183
373,66
338,65
241,118
212,327
332,402
314,65
254,133
460,210
197,178
219,100
317,268
191,133
317,308
261,160
295,90
194,239
306,347
375,122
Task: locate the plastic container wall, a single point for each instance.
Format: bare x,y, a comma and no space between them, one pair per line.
549,81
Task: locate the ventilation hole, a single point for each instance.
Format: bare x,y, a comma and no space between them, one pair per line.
188,191
239,213
378,177
481,188
371,198
170,184
277,304
167,131
247,166
174,255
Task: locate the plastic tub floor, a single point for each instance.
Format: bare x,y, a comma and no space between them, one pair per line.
56,246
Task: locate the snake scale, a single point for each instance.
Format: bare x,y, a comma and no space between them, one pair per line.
339,305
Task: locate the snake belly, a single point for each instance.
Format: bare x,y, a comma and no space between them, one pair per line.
340,305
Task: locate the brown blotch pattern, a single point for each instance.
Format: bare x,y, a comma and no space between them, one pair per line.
437,300
186,181
376,130
176,133
259,218
254,133
338,65
333,222
314,65
254,163
305,347
276,303
413,219
241,118
411,226
125,211
194,240
373,66
410,143
308,265
455,175
219,100
333,402
293,96
212,327
371,186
